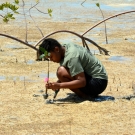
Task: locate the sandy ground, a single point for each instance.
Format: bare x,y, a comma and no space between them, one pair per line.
21,113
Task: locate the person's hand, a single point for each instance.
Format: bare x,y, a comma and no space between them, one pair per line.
53,85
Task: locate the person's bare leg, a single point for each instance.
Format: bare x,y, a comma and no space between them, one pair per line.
64,76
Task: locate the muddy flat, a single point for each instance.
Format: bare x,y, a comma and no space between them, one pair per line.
24,111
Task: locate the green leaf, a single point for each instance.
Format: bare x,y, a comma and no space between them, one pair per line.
9,15
16,1
42,49
16,7
41,56
6,5
50,12
46,53
12,7
98,5
1,7
13,18
16,12
5,19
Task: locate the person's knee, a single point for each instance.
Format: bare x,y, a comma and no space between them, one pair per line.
63,73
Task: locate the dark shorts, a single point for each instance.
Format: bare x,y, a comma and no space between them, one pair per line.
94,86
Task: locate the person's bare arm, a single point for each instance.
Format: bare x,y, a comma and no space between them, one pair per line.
79,82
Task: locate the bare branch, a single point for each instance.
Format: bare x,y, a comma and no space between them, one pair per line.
107,19
14,38
101,49
40,11
34,20
85,44
105,25
2,16
83,3
55,33
80,36
25,20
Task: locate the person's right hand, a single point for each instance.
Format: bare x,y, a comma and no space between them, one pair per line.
53,85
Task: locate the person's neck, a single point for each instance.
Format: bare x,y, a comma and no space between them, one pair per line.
63,51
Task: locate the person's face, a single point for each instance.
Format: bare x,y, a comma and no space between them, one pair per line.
55,55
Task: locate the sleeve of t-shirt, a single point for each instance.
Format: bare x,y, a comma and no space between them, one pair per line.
75,66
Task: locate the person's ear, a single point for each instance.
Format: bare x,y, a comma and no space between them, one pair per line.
57,49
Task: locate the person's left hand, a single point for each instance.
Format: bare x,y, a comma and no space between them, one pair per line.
53,85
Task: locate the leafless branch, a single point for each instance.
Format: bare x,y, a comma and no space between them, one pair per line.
106,20
105,25
34,20
55,33
2,16
83,3
80,36
85,44
25,20
40,11
14,38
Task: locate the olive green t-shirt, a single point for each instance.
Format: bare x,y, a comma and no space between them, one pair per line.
78,59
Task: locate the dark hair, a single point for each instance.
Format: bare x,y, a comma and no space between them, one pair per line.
49,44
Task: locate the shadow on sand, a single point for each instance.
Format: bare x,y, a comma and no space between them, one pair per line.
74,98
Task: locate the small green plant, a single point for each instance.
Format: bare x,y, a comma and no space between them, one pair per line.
45,53
98,5
11,10
50,12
